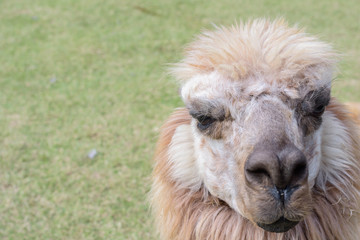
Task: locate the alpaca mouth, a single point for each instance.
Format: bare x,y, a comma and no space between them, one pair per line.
281,225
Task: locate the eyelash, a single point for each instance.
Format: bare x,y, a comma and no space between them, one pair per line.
319,110
204,122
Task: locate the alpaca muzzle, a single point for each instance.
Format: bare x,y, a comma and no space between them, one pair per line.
277,174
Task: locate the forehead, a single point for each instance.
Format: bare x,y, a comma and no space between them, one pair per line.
216,86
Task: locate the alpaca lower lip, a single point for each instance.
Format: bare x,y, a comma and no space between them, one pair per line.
281,225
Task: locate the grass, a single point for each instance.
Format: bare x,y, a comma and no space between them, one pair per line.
90,74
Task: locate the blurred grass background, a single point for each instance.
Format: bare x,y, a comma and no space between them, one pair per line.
89,74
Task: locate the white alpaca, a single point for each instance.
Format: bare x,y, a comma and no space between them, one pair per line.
261,150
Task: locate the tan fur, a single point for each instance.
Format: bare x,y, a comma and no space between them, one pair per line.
251,73
354,110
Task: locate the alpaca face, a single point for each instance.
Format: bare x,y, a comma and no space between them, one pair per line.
257,145
257,94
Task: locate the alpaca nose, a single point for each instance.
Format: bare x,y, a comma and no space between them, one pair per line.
284,169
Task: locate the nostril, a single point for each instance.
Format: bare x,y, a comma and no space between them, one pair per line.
261,167
258,174
299,171
294,164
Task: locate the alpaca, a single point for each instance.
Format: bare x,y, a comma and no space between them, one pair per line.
261,149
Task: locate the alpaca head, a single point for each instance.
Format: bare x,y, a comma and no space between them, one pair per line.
257,93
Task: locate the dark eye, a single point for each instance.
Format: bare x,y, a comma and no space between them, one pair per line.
319,110
204,122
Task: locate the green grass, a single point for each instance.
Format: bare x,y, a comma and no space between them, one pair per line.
91,74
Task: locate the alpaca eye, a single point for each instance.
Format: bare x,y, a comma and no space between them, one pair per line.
319,110
204,122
